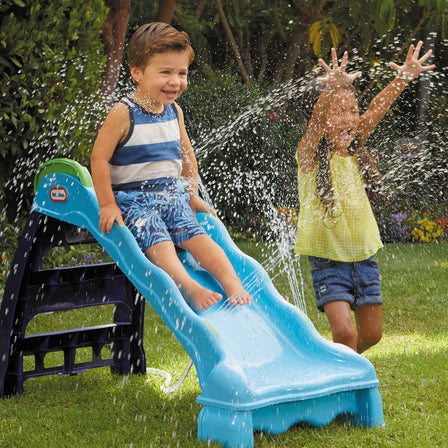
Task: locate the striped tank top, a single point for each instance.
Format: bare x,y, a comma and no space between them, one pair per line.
150,151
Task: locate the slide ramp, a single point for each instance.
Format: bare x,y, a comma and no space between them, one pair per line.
261,366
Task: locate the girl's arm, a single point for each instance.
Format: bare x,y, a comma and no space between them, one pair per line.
190,167
306,150
114,129
381,103
335,79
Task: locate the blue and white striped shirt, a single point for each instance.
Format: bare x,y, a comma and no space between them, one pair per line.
151,150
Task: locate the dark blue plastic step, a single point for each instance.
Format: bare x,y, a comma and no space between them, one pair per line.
31,291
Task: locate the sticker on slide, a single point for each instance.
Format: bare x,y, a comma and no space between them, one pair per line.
58,194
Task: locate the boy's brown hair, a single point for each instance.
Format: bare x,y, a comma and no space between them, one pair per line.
156,37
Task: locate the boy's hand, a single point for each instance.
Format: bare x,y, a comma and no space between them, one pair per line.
108,215
413,65
198,205
336,76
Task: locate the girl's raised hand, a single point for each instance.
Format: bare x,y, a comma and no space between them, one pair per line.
413,66
336,76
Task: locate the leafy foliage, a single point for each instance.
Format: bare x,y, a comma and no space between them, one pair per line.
245,140
374,33
281,39
51,59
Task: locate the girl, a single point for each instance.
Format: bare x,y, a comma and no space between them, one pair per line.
336,177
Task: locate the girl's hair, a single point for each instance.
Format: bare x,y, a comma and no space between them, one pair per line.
153,38
369,170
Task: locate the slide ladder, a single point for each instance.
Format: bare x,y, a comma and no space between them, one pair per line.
32,290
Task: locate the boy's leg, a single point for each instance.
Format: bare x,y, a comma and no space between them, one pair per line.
369,326
212,258
341,322
164,255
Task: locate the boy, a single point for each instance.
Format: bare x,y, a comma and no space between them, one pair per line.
139,157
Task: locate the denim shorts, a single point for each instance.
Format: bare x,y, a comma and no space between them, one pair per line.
156,217
357,283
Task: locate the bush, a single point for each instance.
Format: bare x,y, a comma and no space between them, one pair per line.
51,59
430,225
393,229
425,230
245,141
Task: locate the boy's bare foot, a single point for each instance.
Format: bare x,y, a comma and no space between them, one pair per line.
237,295
203,298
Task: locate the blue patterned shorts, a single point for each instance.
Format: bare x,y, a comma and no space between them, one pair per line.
156,217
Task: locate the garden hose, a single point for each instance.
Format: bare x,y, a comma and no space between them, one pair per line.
165,387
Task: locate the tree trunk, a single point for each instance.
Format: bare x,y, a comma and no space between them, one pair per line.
285,66
114,30
165,11
293,53
200,9
278,23
424,91
233,44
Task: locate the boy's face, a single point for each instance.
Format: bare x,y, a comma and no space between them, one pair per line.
164,78
344,119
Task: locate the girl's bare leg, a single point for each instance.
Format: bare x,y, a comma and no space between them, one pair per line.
365,334
341,322
369,325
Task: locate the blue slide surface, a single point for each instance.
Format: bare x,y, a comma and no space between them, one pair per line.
261,366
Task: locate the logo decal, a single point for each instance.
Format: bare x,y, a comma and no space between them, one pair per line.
58,194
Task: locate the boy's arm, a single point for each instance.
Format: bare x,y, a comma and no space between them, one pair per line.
190,168
189,162
410,70
114,129
335,79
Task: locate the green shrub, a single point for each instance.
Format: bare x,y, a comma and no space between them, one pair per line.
245,141
51,60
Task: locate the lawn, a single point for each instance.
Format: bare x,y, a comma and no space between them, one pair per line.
98,409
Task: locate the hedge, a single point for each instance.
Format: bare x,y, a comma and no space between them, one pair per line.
51,60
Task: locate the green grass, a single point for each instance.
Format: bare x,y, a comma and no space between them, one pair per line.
98,409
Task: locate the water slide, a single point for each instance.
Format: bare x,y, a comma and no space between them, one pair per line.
261,366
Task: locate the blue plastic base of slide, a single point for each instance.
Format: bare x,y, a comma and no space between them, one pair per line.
261,366
235,428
